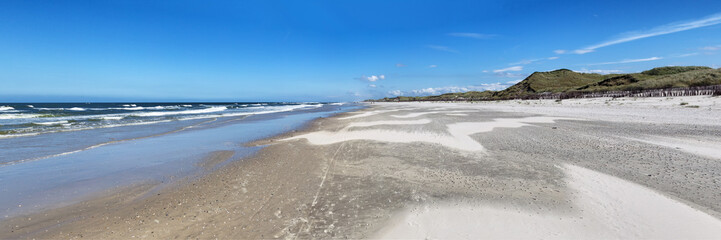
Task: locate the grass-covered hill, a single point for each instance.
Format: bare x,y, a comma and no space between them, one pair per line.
567,81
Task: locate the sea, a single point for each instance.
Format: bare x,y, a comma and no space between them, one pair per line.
26,119
57,154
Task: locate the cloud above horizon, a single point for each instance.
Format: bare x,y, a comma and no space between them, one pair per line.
509,69
442,48
373,78
599,71
656,31
711,48
453,89
471,35
529,61
627,61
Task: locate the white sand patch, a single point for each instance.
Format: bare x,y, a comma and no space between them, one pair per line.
458,135
418,114
376,112
412,115
702,147
656,110
606,208
400,122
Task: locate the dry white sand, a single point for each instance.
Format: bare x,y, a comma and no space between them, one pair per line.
699,110
417,114
607,208
389,122
604,207
702,147
458,135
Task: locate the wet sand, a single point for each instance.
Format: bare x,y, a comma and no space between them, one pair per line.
527,169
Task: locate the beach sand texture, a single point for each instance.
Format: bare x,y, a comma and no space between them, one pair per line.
585,168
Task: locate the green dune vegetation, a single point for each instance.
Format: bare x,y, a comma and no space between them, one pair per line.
564,81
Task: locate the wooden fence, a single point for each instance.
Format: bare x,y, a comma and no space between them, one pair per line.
714,90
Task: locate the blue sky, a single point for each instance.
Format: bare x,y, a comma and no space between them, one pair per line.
332,50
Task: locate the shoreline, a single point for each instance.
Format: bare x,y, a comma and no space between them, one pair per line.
160,157
362,186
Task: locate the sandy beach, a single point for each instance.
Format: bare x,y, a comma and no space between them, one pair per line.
626,168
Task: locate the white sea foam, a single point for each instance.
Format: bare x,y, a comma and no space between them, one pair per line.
6,108
197,111
129,108
273,109
31,106
112,117
18,135
210,112
78,109
18,116
51,123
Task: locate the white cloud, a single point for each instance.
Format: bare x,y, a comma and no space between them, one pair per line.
472,35
688,54
373,78
372,85
453,89
628,61
529,61
525,61
442,48
433,66
400,65
485,71
711,48
559,51
509,69
583,51
656,31
599,71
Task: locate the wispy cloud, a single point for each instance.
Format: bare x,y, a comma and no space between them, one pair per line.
471,35
688,54
599,71
711,48
656,31
529,61
372,85
509,69
627,61
526,61
559,51
372,78
400,65
442,48
453,89
433,66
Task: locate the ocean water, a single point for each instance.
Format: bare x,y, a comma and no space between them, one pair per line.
26,119
53,155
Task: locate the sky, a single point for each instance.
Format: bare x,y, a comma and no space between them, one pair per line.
138,50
